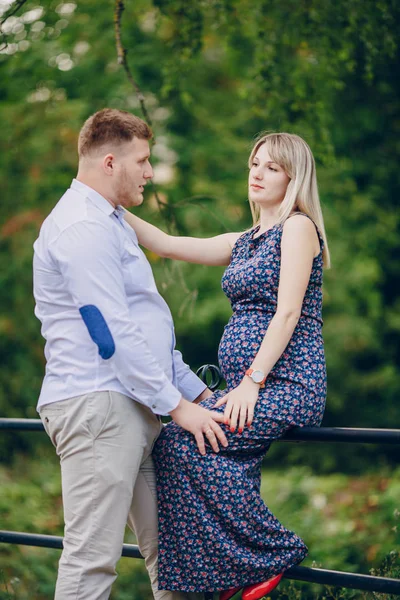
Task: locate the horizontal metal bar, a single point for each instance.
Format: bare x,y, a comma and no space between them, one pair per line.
356,581
384,585
342,434
297,434
21,424
52,541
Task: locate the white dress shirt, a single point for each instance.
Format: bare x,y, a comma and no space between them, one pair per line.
105,324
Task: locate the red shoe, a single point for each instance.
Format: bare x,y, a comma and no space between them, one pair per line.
226,594
258,590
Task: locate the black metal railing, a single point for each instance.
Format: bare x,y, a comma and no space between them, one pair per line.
383,585
296,434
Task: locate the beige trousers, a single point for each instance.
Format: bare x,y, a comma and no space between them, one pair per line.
104,441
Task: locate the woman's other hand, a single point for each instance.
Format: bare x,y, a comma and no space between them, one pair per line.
240,403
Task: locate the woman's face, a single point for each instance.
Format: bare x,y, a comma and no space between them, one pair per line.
267,180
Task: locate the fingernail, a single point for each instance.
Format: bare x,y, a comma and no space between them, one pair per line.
240,430
232,429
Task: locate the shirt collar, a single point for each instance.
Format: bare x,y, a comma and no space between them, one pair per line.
94,196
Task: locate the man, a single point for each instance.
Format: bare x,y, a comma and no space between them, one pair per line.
111,363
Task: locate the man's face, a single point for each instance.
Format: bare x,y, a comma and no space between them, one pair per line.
133,171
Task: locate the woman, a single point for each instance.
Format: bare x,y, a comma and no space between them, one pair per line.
216,534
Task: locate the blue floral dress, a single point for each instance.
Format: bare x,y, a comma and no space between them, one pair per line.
215,532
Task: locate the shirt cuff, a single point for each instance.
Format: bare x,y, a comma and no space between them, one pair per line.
191,386
166,400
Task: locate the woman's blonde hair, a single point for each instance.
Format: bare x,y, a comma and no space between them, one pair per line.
294,156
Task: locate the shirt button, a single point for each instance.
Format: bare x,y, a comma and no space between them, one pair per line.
154,406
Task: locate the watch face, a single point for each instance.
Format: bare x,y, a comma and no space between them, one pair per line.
257,376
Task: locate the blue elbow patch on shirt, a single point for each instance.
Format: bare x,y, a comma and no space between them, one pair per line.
98,330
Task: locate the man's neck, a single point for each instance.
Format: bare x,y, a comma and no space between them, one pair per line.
90,180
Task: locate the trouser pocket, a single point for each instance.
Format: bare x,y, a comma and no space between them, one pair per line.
98,409
52,416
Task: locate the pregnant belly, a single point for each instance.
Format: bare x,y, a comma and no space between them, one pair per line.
302,361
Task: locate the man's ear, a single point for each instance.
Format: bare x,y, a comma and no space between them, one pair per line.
109,164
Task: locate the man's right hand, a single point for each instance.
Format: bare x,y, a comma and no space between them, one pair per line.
200,422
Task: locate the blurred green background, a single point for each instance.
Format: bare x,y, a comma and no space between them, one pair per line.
214,73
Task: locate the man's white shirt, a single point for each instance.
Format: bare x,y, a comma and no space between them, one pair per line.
105,324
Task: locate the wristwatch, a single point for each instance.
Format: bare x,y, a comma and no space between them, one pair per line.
257,376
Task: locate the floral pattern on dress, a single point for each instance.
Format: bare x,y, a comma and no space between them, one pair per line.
215,531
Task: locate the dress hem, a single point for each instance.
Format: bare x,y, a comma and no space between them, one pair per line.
238,582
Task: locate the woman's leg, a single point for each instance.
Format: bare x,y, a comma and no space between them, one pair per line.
215,530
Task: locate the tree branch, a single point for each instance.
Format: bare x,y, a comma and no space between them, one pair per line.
13,9
122,60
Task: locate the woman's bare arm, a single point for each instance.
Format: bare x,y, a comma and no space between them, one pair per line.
299,246
205,251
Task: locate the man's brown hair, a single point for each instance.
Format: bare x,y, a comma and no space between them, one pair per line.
111,126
